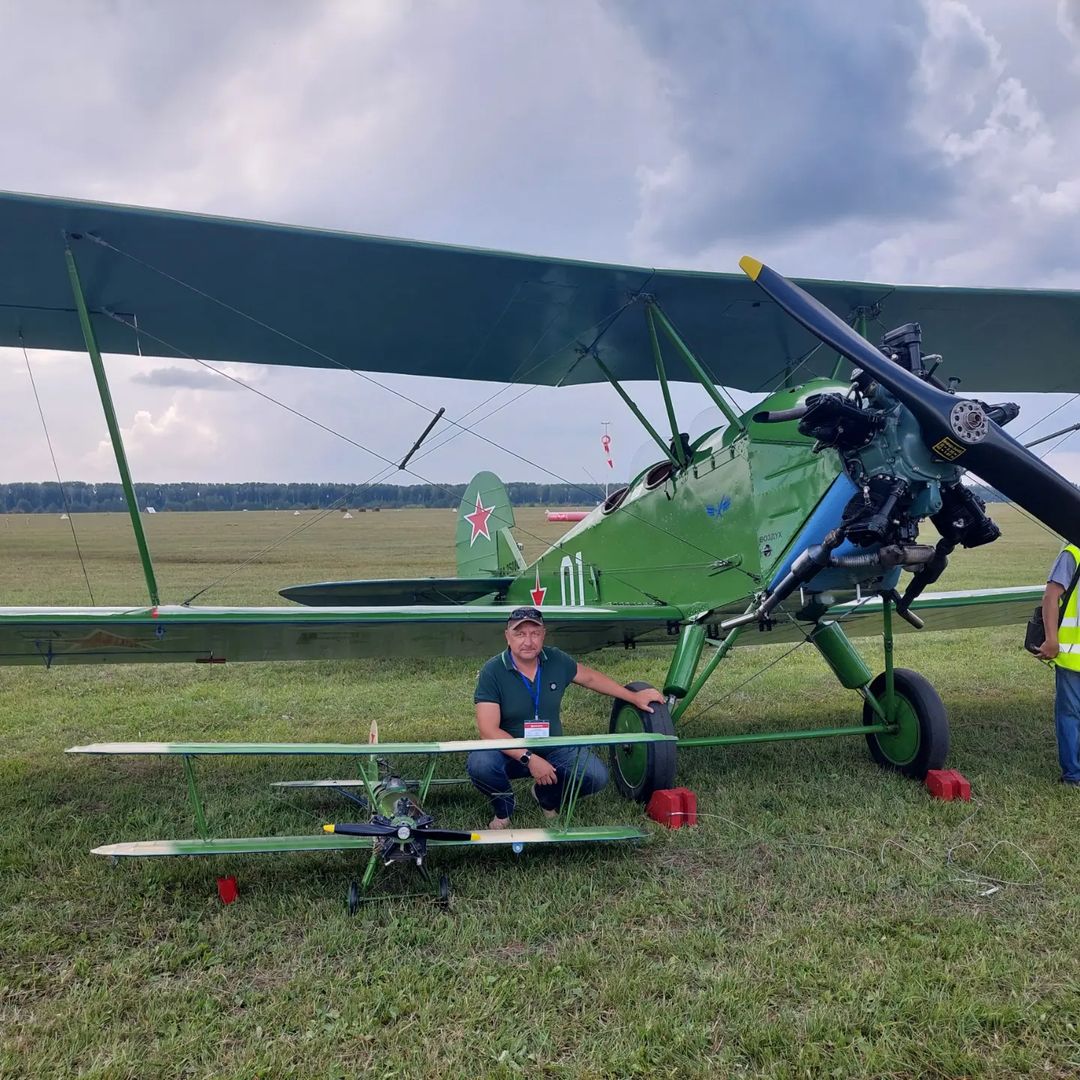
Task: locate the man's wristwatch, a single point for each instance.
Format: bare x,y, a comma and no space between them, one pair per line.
525,758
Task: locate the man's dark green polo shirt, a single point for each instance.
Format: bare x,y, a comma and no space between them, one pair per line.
501,683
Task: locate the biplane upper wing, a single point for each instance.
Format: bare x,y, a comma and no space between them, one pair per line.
225,289
367,749
215,635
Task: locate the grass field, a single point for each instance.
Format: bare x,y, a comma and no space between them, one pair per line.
824,919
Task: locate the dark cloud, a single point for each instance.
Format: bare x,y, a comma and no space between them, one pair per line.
786,116
197,378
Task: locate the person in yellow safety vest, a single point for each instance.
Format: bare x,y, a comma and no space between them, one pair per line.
1062,646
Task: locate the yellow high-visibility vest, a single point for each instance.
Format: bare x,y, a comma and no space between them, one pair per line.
1069,633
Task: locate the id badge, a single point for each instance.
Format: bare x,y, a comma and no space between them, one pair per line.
537,729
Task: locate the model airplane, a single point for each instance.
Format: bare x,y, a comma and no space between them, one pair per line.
795,518
398,829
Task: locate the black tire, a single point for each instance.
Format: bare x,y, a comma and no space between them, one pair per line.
353,899
639,771
922,743
445,895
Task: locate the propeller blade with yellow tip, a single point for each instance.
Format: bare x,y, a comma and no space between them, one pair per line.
944,418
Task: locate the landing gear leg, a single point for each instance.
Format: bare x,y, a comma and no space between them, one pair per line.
919,739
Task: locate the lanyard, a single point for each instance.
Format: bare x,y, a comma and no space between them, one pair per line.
534,691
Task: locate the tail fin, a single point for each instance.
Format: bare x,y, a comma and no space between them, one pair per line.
483,542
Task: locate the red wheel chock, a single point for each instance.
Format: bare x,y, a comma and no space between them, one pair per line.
948,784
673,807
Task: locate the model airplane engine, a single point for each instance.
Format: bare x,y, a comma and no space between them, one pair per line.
898,480
400,827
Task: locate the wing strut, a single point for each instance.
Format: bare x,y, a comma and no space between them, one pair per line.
692,363
114,428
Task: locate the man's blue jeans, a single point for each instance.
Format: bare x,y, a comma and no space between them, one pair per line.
1067,722
491,771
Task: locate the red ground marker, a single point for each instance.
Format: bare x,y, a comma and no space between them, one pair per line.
948,784
673,807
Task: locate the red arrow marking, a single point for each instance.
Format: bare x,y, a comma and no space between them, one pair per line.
478,519
538,593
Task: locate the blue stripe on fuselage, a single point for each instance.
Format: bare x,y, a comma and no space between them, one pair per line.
823,520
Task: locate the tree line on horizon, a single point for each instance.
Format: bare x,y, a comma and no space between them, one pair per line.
76,496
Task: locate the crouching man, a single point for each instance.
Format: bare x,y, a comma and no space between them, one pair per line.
518,695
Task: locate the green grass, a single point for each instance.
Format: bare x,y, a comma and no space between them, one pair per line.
824,919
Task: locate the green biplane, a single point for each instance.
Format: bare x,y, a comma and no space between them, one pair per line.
397,828
796,517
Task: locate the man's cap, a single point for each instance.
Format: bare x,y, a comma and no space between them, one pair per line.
524,614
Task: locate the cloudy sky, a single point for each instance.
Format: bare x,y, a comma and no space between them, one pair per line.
923,141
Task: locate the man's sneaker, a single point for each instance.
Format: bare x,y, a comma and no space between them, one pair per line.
549,814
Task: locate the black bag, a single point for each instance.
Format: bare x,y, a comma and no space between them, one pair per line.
1035,631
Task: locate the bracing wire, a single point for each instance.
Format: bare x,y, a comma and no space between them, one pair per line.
391,464
600,327
56,469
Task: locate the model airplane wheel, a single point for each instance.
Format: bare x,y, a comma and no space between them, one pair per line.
354,897
921,741
445,894
640,770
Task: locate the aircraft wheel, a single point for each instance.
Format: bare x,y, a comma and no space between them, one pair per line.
445,895
640,770
354,897
921,742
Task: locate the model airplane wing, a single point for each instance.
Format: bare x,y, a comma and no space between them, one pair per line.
270,845
187,285
368,749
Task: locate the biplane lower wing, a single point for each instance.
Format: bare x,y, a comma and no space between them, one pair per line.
961,610
270,845
215,635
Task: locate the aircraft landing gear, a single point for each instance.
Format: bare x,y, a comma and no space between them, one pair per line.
640,770
921,739
444,897
353,898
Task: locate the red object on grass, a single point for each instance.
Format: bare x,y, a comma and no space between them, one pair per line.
948,784
227,890
673,807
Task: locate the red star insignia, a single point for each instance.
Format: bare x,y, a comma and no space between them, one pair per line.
478,519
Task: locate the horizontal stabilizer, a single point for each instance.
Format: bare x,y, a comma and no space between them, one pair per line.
389,592
462,746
